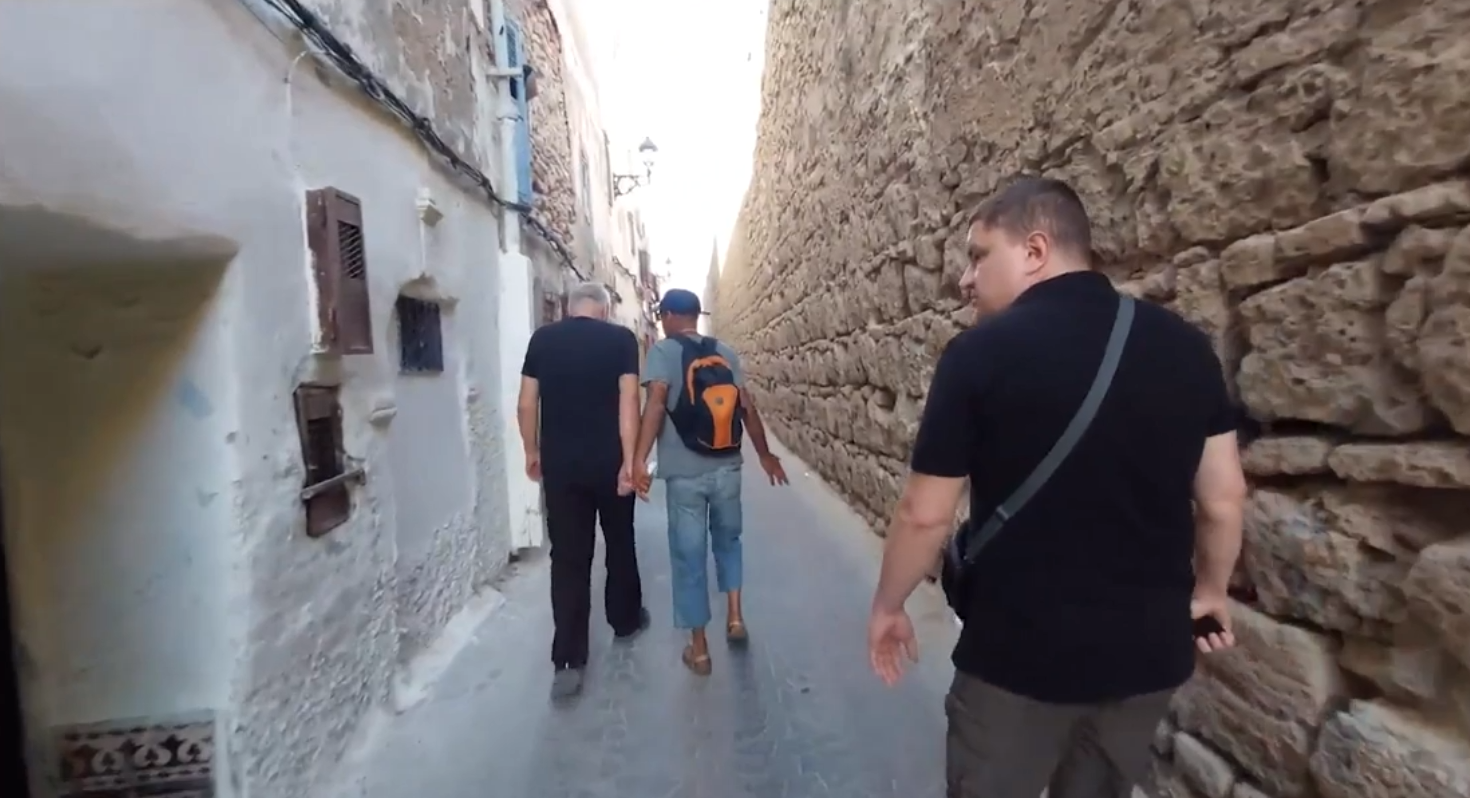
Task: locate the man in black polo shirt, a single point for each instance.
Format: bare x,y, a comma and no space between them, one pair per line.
1079,612
578,414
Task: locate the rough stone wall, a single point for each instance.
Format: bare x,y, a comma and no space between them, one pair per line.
551,136
551,146
1289,176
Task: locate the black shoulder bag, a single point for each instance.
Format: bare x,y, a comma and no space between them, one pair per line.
965,547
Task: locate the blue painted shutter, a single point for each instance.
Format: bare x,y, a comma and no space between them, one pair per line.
516,45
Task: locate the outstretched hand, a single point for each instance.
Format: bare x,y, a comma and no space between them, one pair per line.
891,644
771,464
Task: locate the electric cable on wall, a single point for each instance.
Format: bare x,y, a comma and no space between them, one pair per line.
347,62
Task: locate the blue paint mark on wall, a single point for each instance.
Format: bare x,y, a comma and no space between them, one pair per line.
193,400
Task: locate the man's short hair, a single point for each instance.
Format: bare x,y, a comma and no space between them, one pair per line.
1039,203
593,292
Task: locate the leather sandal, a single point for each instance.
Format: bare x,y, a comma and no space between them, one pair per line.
699,664
735,632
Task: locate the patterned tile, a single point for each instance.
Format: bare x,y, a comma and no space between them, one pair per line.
138,758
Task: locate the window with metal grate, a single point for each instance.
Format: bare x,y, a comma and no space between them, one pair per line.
420,336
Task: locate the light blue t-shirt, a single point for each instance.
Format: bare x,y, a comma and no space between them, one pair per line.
665,364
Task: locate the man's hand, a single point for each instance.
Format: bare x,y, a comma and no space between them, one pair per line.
533,465
891,643
640,480
772,465
1215,605
625,479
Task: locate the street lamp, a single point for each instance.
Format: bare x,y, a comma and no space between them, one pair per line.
623,184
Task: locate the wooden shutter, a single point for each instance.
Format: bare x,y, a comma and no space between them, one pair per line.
334,231
516,45
319,424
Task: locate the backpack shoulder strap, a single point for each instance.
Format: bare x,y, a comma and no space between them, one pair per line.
1081,420
705,346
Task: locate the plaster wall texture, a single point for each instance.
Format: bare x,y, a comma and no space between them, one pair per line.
1290,177
157,299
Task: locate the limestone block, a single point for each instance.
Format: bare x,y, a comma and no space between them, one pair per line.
1407,119
1157,285
1318,353
1424,465
1337,237
1232,174
1288,455
1443,358
1305,38
1412,668
1392,520
1375,750
1199,297
1416,249
1202,768
1259,702
1404,319
1434,204
1252,261
1438,590
1303,567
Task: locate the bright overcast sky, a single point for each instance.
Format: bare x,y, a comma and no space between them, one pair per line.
687,75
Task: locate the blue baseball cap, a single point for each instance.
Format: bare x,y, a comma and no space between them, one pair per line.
679,302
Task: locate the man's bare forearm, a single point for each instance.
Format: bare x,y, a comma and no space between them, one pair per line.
757,430
909,551
529,423
648,428
1217,541
628,423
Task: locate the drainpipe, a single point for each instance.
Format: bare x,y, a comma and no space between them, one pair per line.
523,498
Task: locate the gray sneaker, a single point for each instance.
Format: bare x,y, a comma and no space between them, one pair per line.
566,683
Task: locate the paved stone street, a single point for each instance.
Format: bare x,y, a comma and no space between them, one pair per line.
798,714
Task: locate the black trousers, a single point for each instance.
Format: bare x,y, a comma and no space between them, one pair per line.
573,509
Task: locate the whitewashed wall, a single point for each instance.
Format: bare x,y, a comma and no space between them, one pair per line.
157,318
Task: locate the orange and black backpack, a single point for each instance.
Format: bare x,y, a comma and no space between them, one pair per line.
708,416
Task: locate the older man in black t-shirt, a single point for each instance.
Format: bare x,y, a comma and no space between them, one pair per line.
1080,611
578,414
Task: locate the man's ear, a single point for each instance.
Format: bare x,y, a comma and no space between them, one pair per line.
1038,251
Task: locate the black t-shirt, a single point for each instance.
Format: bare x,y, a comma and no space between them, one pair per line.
1084,595
578,362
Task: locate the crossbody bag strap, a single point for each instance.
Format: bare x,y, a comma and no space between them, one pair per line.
1122,323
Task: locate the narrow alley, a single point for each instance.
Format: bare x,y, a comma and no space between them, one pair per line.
798,714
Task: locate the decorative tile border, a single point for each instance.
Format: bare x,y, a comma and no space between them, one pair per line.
138,758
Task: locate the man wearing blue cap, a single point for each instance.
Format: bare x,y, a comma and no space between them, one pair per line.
696,383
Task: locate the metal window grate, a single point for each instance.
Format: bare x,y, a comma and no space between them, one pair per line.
354,261
420,336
